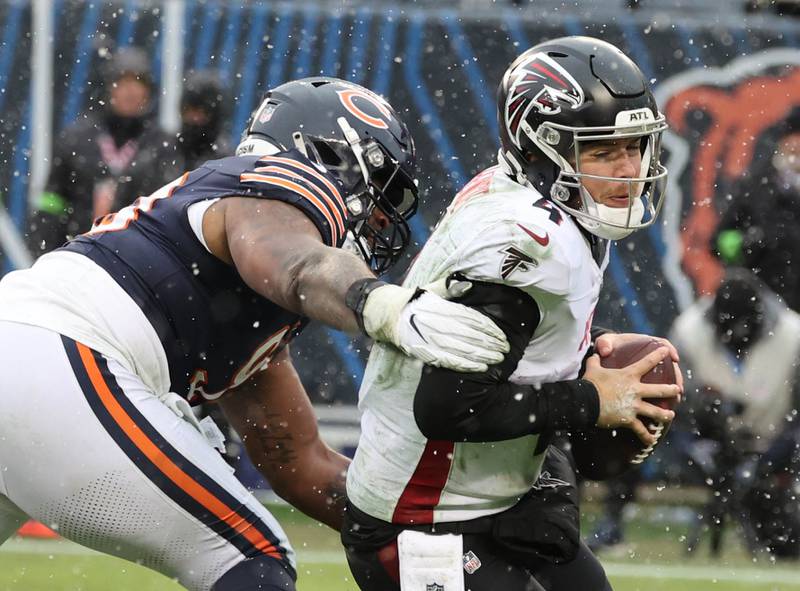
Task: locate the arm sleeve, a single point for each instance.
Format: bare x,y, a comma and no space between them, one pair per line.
485,407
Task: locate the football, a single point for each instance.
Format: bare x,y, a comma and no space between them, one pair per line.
604,453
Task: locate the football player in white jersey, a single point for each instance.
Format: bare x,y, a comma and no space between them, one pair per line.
525,242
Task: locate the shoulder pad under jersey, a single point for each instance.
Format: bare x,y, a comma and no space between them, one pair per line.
518,239
290,177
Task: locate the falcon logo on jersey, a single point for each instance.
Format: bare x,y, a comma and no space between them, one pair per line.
547,481
348,98
515,259
541,84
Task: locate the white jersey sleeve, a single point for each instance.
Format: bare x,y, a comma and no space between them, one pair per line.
524,254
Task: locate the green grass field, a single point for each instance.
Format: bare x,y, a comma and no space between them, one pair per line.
653,560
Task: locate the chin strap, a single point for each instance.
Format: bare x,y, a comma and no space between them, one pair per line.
509,165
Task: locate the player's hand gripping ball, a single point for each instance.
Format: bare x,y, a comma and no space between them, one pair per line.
605,453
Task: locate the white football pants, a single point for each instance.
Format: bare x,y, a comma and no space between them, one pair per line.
88,450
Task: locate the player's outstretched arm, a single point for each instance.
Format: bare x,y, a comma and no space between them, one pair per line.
279,253
274,417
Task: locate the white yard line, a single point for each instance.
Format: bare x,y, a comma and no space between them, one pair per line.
711,573
36,546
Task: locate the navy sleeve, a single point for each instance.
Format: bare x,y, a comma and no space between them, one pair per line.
291,178
288,176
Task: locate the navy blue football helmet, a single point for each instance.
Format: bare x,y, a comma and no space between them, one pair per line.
356,135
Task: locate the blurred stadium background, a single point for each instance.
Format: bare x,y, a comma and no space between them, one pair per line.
725,72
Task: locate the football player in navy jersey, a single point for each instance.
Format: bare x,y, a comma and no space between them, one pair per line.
193,293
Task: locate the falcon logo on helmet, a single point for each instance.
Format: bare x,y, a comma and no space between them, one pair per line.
541,84
565,95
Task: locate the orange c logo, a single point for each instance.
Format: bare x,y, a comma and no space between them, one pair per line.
347,96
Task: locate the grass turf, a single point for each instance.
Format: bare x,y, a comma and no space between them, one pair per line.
652,560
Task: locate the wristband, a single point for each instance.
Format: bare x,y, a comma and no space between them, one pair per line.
356,297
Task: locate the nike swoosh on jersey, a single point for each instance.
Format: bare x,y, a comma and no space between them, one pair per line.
414,326
543,240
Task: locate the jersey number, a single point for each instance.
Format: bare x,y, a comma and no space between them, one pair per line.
547,205
259,360
113,222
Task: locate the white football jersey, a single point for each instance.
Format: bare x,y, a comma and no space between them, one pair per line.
499,231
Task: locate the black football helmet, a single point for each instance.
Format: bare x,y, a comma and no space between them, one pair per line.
563,94
356,135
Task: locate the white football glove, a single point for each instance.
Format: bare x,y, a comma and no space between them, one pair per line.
433,330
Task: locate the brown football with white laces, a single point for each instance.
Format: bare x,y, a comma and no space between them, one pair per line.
605,453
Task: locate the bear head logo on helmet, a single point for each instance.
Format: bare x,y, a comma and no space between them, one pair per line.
356,135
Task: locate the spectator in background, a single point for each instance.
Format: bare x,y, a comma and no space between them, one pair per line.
743,344
198,140
739,349
760,228
92,156
742,348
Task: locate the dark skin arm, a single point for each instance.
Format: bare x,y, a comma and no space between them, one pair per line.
279,253
273,415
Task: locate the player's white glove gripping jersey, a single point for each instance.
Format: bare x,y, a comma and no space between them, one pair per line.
502,233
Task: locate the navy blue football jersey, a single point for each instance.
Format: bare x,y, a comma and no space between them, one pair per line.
216,331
